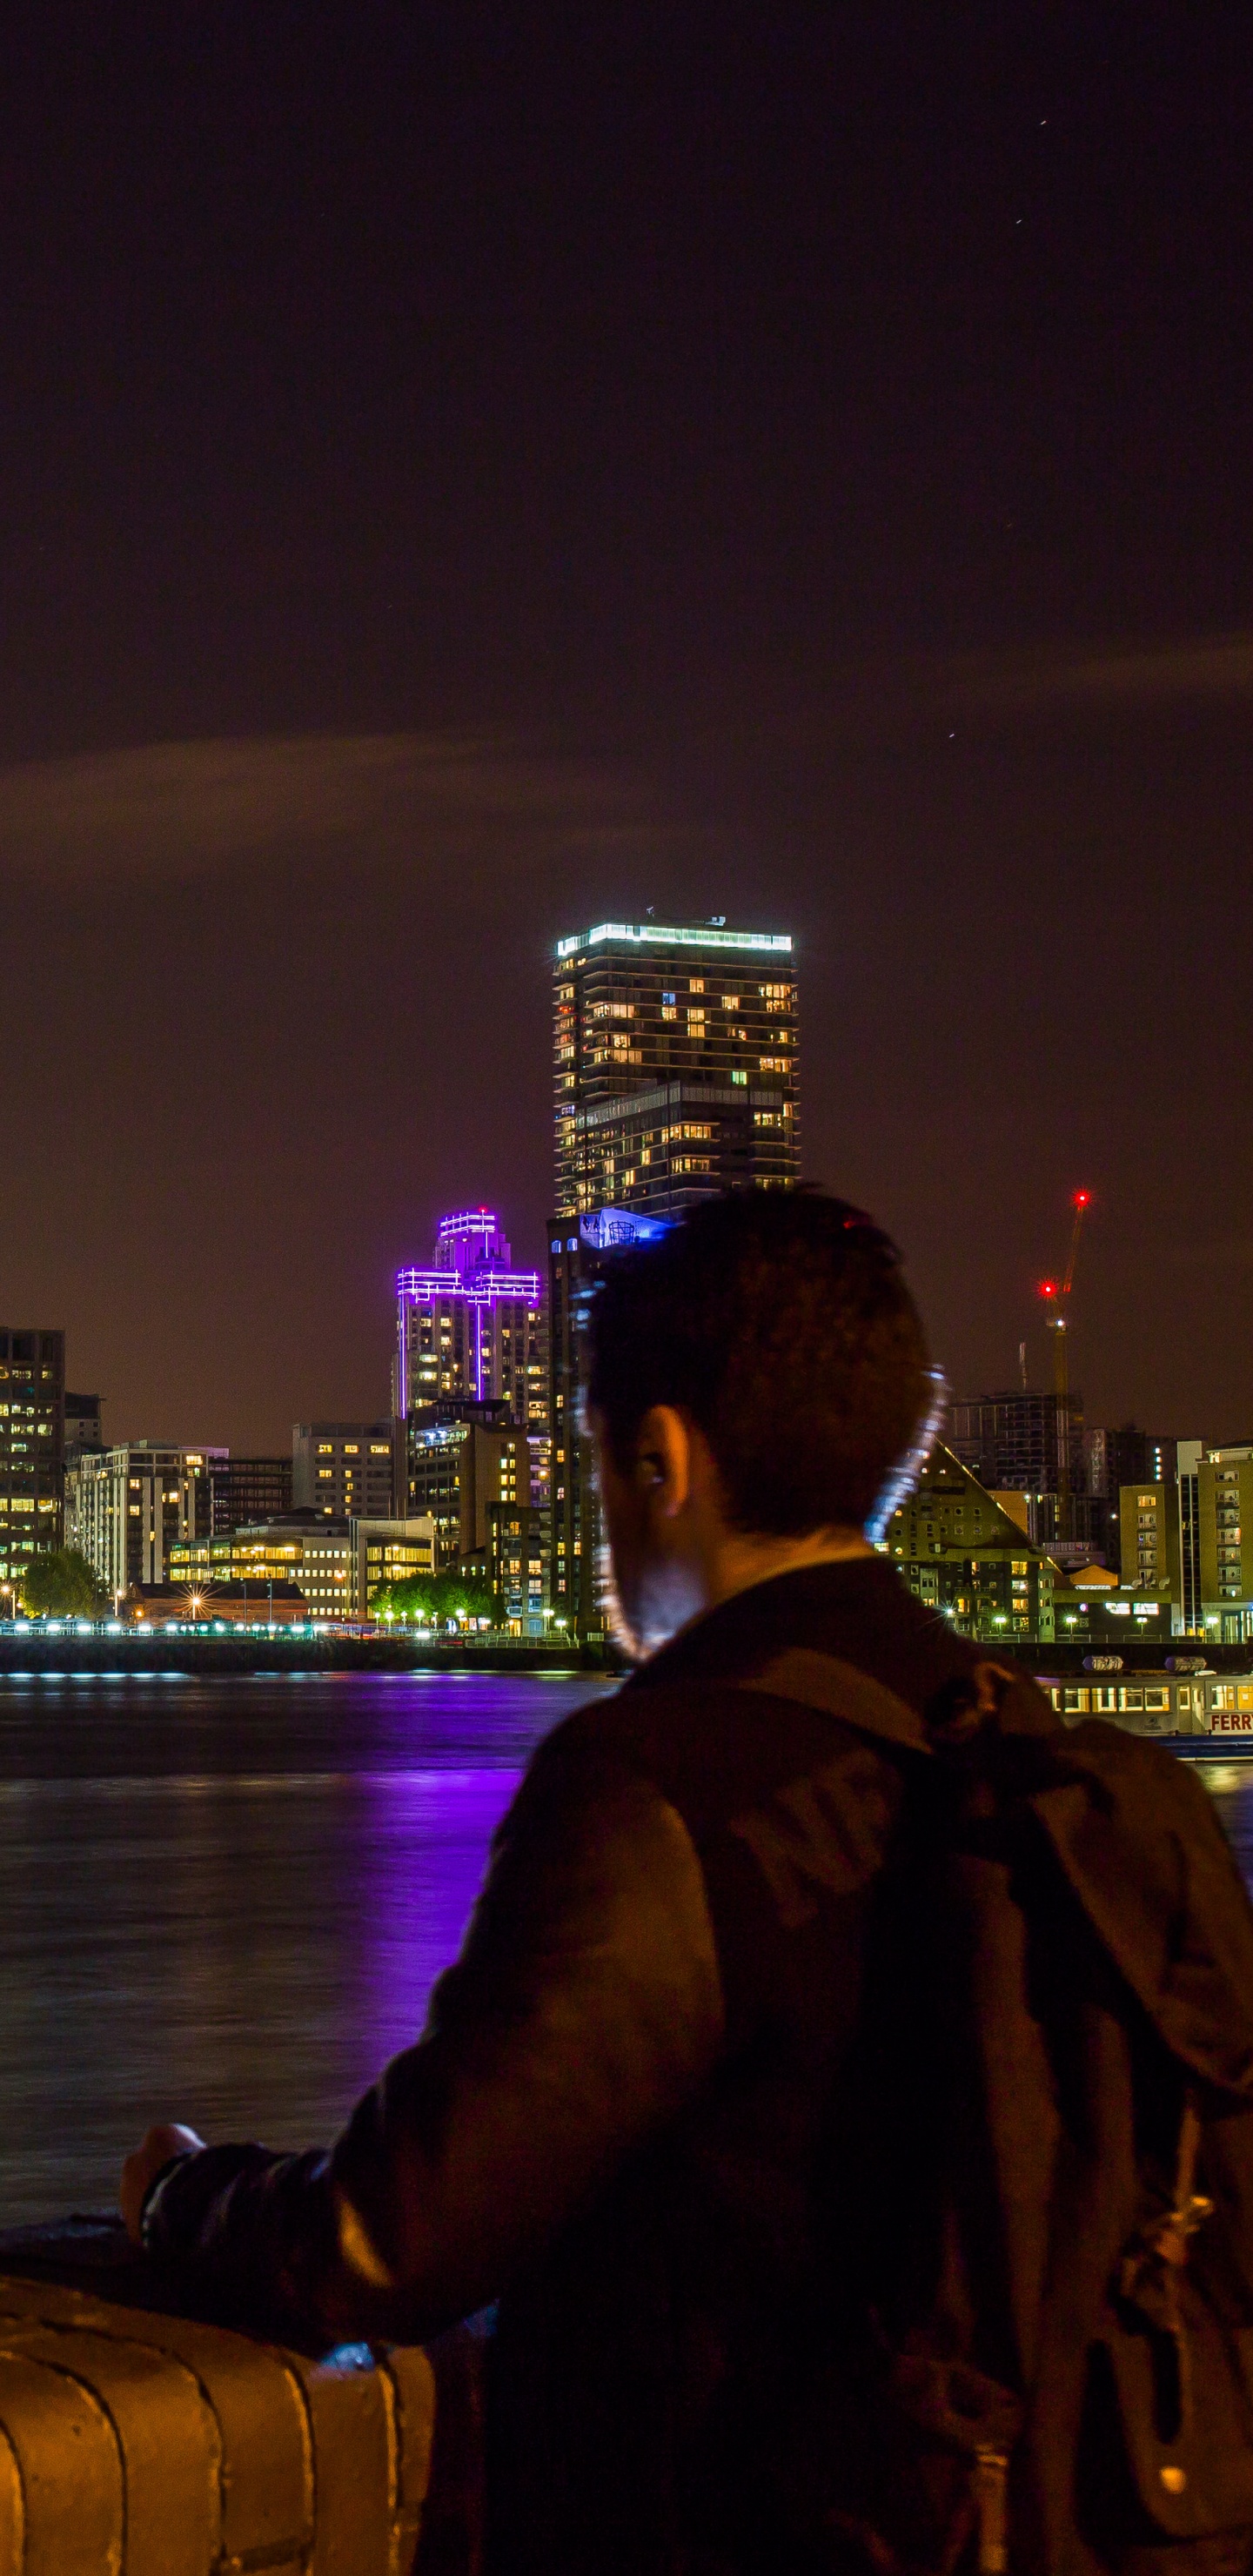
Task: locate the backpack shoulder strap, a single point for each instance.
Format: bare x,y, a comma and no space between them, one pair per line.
840,1689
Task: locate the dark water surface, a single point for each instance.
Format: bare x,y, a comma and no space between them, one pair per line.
227,1901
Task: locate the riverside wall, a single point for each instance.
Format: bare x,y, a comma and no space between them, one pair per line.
162,1652
138,2442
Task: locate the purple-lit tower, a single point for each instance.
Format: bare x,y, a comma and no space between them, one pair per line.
471,1327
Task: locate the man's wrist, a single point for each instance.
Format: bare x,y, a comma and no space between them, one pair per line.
149,2211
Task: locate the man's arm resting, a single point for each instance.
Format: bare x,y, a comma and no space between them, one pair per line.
585,2010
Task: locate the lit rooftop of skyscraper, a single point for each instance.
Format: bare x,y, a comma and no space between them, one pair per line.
674,1064
468,1324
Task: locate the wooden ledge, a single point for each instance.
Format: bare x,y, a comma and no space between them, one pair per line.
138,2442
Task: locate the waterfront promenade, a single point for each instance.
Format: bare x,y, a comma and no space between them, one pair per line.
83,1649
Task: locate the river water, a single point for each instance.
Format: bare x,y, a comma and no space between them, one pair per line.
226,1901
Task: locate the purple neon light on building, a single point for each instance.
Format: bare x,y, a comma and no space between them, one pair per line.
469,1325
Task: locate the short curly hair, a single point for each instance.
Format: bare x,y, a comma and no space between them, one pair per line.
779,1321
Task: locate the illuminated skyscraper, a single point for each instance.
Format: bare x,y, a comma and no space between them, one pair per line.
32,1432
470,1325
674,1064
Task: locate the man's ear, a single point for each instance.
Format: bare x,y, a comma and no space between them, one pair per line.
663,1459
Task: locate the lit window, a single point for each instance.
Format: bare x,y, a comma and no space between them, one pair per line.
696,984
773,1063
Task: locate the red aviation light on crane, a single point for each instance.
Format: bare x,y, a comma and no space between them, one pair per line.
1082,1198
1048,1288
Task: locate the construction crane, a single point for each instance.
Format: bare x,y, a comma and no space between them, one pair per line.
1056,1294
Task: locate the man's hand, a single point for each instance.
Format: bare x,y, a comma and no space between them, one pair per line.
140,2170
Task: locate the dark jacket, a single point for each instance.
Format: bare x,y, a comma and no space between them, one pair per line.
618,2121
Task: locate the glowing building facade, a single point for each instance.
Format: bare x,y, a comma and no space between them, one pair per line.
470,1326
674,1064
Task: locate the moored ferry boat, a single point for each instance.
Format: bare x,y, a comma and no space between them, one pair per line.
1185,1702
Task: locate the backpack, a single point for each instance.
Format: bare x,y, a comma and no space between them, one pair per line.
1036,2285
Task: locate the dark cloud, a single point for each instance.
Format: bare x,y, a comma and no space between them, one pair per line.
1109,676
193,808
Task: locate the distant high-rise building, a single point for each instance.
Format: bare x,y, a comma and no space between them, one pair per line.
345,1470
32,1418
127,1507
674,1064
470,1325
249,1489
1017,1440
83,1428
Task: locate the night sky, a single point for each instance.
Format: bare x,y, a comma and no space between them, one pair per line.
469,472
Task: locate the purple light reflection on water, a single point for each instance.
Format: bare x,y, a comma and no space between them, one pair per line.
423,1843
227,1901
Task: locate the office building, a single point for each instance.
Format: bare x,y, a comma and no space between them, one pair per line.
83,1424
388,1552
963,1556
1224,1507
470,1325
344,1470
463,1456
674,1065
1128,1456
128,1508
1150,1552
32,1395
302,1548
249,1489
1115,1458
280,1603
519,1540
1161,1524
